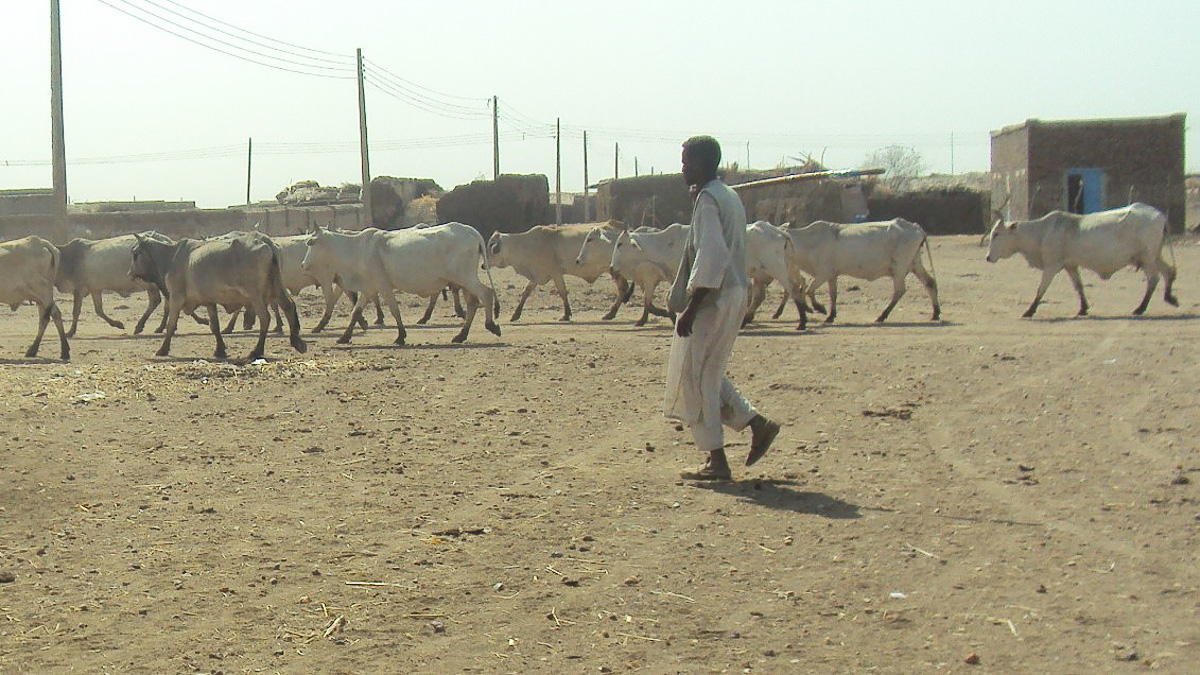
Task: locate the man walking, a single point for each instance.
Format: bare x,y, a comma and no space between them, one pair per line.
710,296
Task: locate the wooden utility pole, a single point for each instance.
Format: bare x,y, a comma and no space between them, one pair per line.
362,145
58,145
558,171
587,210
635,167
249,158
495,138
616,161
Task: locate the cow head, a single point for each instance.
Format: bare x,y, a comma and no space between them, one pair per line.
316,244
592,245
1003,241
496,252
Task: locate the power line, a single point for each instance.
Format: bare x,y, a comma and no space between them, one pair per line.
343,63
259,35
348,76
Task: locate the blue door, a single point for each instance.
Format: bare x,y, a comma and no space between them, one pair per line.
1085,190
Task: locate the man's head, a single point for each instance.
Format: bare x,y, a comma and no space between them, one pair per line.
701,157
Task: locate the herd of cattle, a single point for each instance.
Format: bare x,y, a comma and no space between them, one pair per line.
254,273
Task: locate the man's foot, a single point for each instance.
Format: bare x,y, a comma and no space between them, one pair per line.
715,468
762,434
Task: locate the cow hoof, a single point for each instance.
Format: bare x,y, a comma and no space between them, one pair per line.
459,339
1029,315
343,340
118,325
937,316
515,317
163,352
1171,300
492,328
300,345
222,356
30,353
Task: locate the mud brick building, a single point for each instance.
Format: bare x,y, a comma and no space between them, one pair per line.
1090,165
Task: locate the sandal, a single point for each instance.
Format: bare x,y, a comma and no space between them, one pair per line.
761,439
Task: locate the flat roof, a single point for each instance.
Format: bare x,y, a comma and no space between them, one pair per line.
1123,121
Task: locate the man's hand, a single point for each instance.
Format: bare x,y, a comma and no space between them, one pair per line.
683,324
687,318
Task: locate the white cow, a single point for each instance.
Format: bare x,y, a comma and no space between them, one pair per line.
418,261
28,268
90,267
767,261
648,259
865,251
547,253
1103,242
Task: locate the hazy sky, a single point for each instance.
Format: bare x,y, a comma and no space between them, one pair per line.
151,115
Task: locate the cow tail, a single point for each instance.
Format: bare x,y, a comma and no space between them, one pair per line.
275,280
928,254
487,266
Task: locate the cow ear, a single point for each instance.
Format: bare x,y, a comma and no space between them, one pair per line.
1012,226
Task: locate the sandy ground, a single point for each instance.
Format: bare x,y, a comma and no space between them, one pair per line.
1018,493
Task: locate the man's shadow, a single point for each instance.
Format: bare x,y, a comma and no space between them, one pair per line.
780,494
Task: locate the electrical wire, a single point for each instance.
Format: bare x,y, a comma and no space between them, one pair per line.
348,76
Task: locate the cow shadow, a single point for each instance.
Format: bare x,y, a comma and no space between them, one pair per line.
420,346
940,323
34,361
782,495
751,331
1185,316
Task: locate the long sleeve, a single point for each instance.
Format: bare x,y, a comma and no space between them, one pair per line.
712,252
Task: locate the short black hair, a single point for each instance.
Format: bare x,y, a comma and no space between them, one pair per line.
705,150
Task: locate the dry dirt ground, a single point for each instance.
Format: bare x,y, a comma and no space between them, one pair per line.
984,494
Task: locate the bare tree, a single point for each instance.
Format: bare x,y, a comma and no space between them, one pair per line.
901,164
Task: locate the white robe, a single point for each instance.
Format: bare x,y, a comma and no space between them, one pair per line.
698,393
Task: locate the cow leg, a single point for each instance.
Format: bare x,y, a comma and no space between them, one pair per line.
155,300
1076,281
428,310
930,285
561,286
293,317
832,299
485,297
782,305
64,349
898,290
215,326
459,311
521,302
263,313
379,309
1048,275
757,293
43,321
1168,275
473,303
647,303
173,309
1151,284
331,296
98,305
394,308
356,317
797,295
76,307
624,289
232,320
